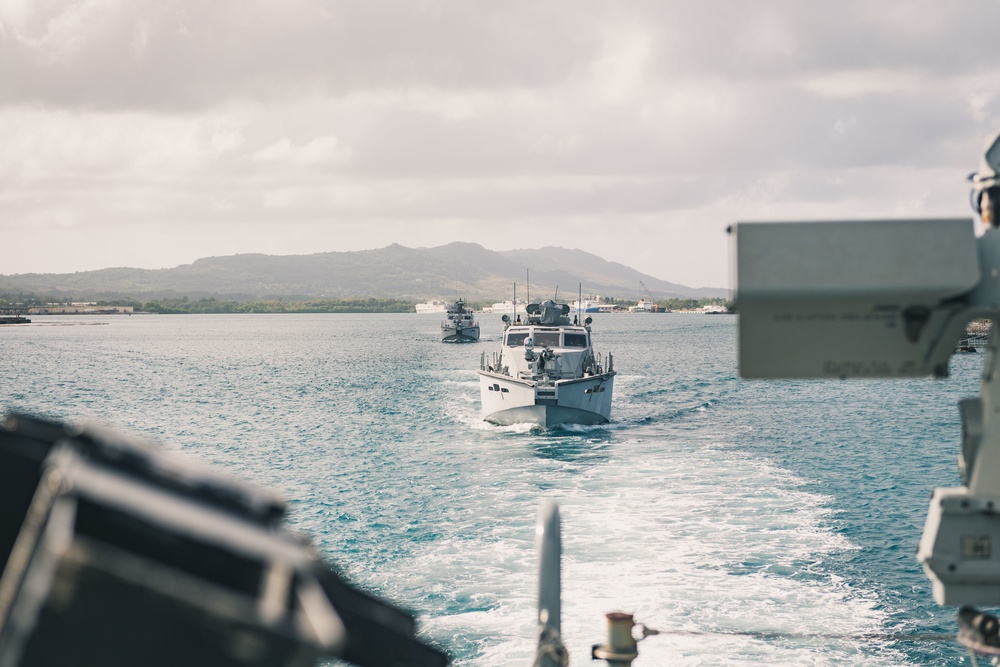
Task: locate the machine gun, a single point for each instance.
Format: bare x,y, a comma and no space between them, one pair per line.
115,553
890,299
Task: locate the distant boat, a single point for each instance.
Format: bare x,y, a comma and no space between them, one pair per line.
432,307
13,316
644,307
592,304
460,325
508,308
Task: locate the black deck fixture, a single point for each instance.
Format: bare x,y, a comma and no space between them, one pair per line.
113,552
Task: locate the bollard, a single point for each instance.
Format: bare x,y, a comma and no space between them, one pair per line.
621,648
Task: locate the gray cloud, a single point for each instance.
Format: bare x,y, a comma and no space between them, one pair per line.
147,132
183,55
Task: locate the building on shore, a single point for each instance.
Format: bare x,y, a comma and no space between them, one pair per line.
79,308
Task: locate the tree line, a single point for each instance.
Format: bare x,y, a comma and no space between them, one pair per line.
212,305
691,304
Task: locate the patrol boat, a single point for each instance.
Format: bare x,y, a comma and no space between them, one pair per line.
546,372
459,325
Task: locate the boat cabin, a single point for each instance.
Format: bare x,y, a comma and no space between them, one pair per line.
550,337
532,351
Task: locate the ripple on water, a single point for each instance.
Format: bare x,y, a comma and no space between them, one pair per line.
709,505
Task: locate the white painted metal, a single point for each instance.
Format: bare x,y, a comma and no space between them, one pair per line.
546,373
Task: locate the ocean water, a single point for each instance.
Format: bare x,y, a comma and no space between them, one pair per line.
751,522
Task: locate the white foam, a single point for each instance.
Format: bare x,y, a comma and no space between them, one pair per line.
670,550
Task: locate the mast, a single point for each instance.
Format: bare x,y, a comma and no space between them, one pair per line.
550,652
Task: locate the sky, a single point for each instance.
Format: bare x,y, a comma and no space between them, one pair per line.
151,133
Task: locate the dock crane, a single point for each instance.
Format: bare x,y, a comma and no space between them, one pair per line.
647,304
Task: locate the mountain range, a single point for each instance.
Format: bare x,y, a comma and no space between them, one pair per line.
395,272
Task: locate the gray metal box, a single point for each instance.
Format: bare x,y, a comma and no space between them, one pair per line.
852,299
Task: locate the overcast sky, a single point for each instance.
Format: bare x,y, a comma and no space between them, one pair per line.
150,133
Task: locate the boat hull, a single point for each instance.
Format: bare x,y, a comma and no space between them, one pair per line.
508,400
463,335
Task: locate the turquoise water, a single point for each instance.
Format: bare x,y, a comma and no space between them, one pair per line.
710,505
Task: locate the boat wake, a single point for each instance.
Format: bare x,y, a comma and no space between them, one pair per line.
730,550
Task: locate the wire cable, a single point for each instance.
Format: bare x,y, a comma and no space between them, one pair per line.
768,634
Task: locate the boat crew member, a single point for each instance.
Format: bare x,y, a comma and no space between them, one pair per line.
989,206
985,196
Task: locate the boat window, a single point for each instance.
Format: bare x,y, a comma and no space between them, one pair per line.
546,339
575,339
516,338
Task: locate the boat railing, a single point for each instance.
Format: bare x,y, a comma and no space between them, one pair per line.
599,367
491,363
971,344
975,337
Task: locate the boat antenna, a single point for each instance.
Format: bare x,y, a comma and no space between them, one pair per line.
579,302
527,284
556,297
513,316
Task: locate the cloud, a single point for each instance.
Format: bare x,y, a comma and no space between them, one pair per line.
637,131
44,144
319,151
